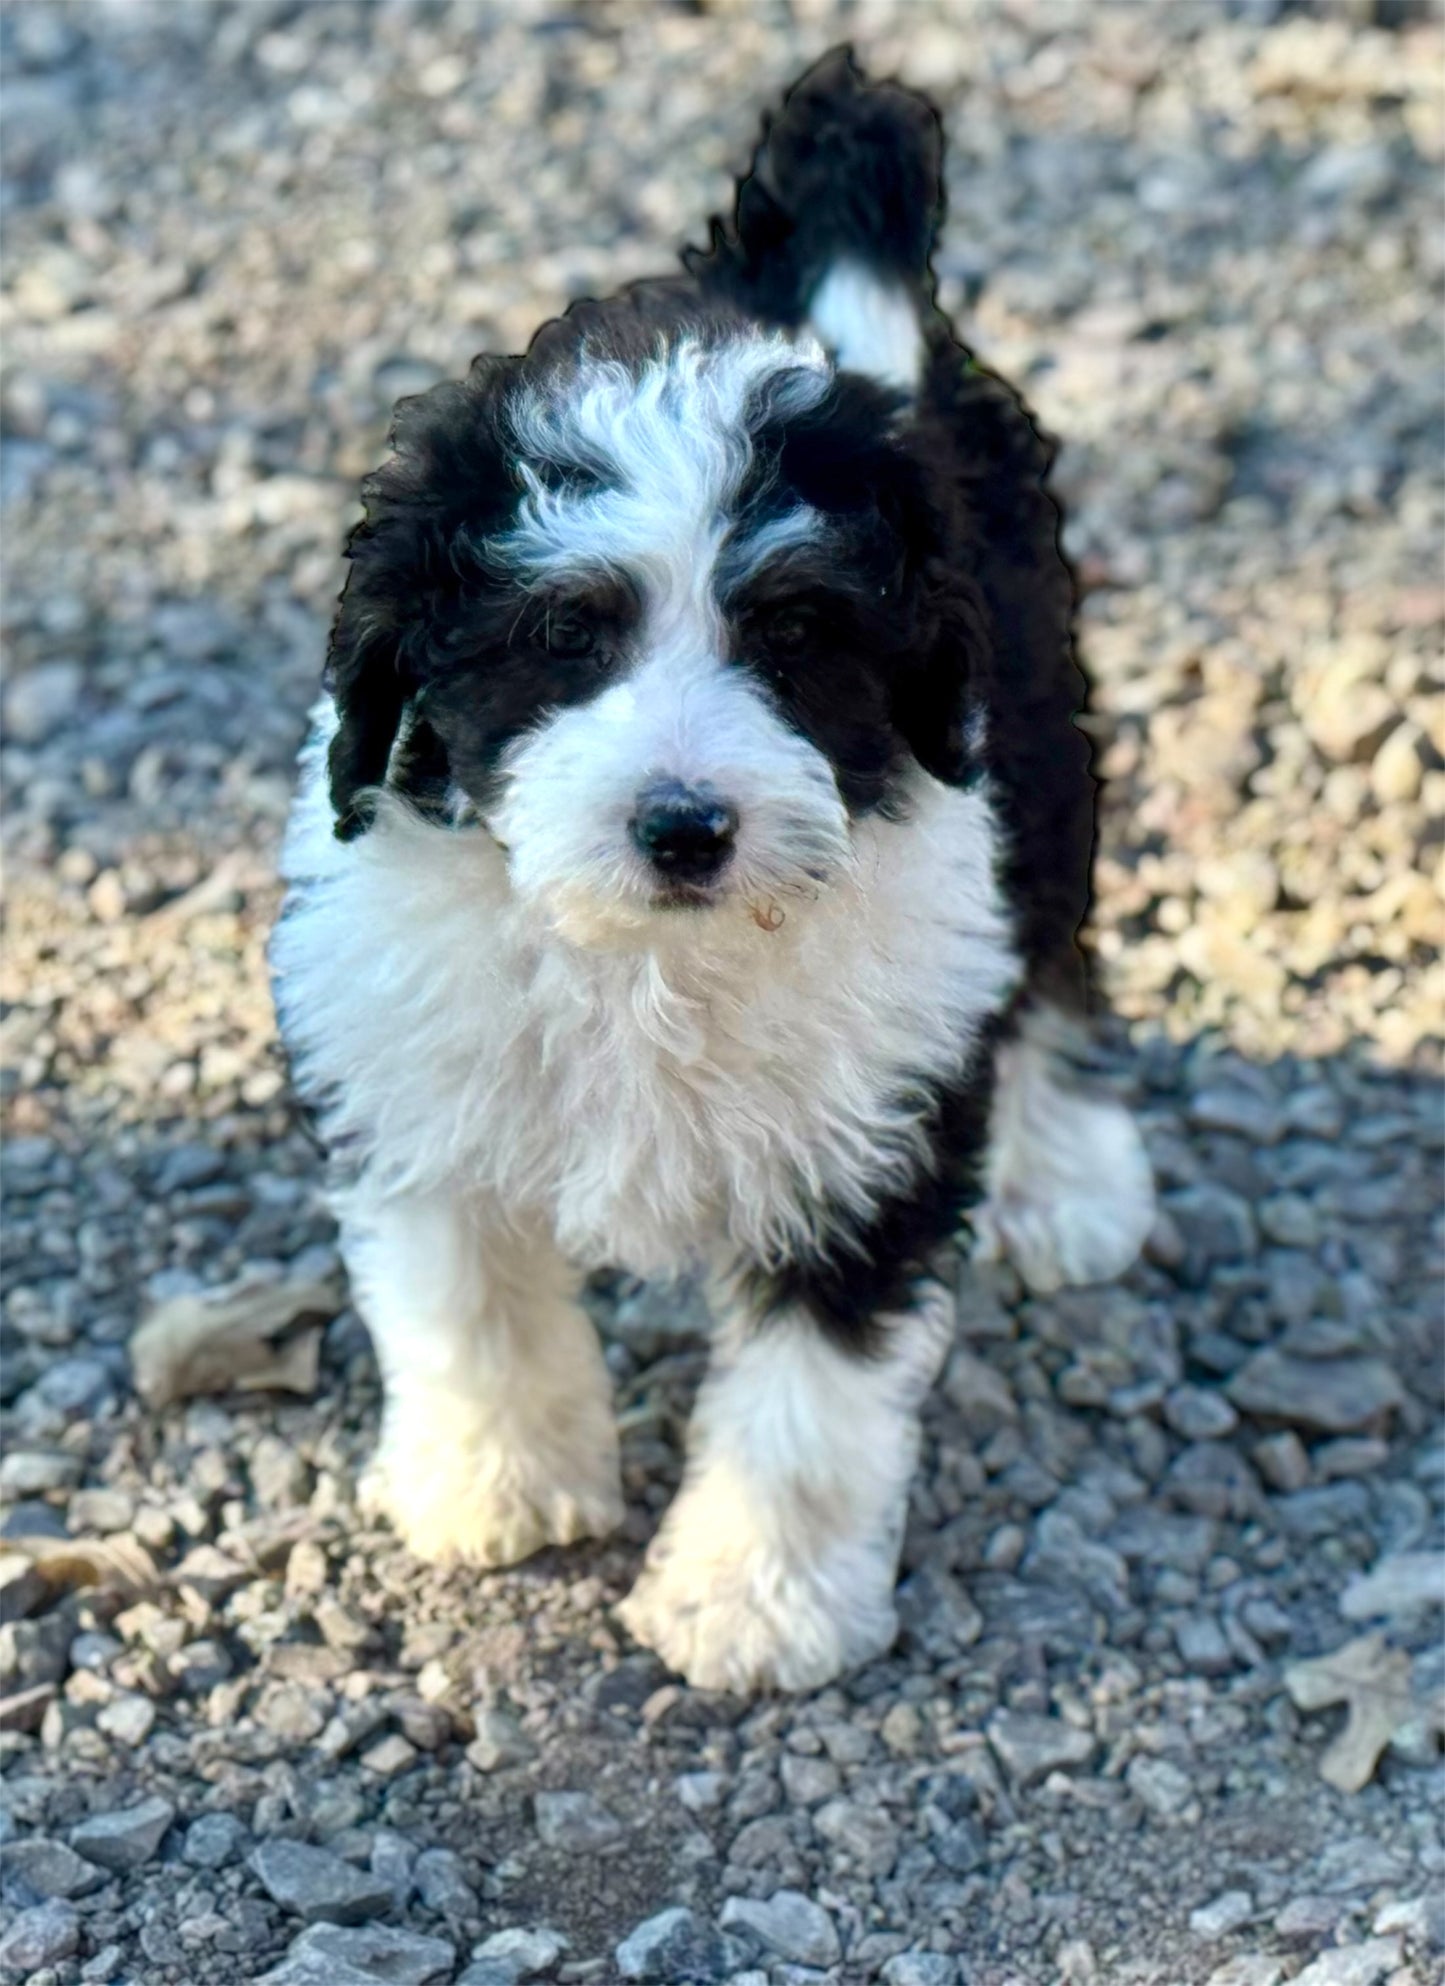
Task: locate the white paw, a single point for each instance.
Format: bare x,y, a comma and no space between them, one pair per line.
486,1504
746,1618
1070,1189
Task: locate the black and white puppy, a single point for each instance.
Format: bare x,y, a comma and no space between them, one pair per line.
687,874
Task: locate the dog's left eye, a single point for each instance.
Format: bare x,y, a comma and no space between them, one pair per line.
571,637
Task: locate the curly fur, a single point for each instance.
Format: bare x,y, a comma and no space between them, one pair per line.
763,537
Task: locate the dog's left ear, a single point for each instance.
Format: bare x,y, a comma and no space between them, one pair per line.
948,652
446,486
931,695
859,456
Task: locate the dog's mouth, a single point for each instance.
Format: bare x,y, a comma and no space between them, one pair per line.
687,896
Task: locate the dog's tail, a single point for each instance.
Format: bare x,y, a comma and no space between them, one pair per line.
834,226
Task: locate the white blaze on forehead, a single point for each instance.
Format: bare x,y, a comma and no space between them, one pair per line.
670,447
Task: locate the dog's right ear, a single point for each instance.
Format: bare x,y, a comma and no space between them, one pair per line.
446,487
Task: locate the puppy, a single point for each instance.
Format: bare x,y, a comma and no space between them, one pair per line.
686,875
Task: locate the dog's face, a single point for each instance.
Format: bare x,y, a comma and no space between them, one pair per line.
661,620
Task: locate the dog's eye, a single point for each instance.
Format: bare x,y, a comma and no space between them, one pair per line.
788,632
570,636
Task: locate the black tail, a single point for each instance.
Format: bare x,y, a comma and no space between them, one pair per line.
847,171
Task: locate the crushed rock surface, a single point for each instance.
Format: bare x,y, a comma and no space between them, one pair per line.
264,1742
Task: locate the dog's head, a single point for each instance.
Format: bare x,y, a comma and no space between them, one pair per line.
662,608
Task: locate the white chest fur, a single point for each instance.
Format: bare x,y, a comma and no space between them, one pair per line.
647,1102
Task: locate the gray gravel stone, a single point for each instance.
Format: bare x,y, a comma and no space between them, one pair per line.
1227,1912
936,1609
1216,1226
806,1781
1350,1455
21,1587
442,1883
37,1472
49,1868
1242,1111
1247,1969
674,1948
77,1387
213,1841
1418,1919
103,1510
866,1835
1354,1965
1407,1582
129,1719
1323,1512
921,1969
389,1756
1199,1413
787,1924
1308,1916
507,1957
576,1822
39,702
1282,1460
1164,1789
1029,1746
199,1666
1335,1395
35,1651
500,1742
126,1838
1204,1647
371,1955
1150,1536
700,1792
39,1937
1290,1220
317,1885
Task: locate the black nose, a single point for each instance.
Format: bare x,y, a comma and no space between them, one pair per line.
686,832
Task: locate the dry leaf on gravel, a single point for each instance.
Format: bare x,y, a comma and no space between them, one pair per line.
1373,1681
121,1563
242,1337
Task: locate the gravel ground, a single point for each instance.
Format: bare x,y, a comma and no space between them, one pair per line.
262,1741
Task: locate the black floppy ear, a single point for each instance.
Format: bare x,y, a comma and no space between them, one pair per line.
951,658
446,487
364,676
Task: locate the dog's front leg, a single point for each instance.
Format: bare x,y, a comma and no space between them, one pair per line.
497,1434
775,1566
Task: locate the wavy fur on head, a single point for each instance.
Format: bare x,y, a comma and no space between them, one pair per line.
694,808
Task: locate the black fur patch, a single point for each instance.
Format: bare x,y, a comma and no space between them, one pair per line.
863,1270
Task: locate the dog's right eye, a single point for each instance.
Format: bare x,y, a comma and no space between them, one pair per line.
569,636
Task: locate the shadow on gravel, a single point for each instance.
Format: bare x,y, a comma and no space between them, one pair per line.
1136,1505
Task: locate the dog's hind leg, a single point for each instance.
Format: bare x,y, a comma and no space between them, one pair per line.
1070,1192
498,1434
775,1566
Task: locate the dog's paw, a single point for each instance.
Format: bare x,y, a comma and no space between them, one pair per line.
747,1618
1070,1189
492,1506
